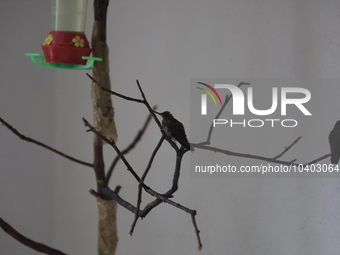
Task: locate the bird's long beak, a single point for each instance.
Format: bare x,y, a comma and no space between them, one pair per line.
157,112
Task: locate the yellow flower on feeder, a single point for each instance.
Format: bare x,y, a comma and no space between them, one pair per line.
48,40
78,42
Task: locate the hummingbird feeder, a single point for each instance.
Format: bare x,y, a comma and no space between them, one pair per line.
66,46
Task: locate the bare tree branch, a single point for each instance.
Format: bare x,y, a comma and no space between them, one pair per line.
25,138
103,120
243,155
109,194
160,198
144,101
287,148
115,93
318,159
26,241
140,186
113,144
179,155
193,214
130,147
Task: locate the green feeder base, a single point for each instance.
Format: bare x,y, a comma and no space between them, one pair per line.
35,56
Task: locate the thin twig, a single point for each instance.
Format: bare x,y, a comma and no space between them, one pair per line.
113,144
287,148
114,93
140,186
108,194
160,198
130,147
144,101
243,155
196,230
28,242
127,164
25,138
179,154
191,212
174,187
318,159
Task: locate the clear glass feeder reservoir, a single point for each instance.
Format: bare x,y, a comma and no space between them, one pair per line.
67,43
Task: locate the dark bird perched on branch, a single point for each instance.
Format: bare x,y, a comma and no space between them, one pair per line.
174,129
334,142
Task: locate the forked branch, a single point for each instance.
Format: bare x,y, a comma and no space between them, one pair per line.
159,198
130,147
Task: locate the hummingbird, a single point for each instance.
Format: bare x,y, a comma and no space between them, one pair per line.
174,129
334,142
